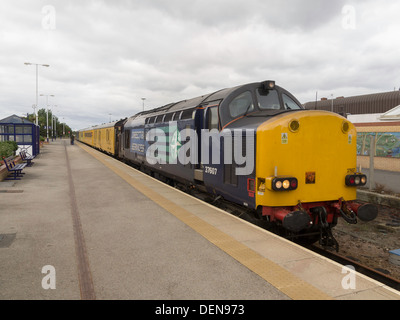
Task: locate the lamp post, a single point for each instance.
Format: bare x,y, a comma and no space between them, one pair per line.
37,65
54,124
143,102
47,112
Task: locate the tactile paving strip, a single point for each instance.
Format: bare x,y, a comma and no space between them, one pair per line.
283,280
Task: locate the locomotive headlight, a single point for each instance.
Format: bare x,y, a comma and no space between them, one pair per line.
363,180
283,183
286,184
357,180
268,85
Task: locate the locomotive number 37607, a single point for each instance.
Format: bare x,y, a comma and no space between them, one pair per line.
210,170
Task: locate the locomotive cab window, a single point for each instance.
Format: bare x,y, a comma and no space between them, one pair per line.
268,99
241,105
289,104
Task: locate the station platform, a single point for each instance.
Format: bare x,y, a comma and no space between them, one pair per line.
83,225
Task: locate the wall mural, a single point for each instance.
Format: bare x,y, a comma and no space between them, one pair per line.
387,144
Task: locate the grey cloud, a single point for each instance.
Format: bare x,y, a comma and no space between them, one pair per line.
277,13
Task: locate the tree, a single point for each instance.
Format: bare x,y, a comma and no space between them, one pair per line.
42,121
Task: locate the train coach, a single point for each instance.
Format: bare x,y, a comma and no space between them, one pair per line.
103,137
256,146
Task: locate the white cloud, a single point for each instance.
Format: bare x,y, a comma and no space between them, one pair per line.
107,55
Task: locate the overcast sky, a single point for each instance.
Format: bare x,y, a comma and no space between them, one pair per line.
105,56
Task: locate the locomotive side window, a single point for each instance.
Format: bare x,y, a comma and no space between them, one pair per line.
212,118
127,134
242,104
187,114
268,99
289,103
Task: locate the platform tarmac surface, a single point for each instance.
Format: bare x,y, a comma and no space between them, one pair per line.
111,232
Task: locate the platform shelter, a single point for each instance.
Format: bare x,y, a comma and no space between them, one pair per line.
22,131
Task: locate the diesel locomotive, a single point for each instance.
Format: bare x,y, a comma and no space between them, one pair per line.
253,145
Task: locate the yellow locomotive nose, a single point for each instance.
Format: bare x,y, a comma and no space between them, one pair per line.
314,149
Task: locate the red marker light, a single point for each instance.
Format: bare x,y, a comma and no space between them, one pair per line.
355,180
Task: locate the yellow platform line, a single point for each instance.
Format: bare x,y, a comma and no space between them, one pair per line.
289,284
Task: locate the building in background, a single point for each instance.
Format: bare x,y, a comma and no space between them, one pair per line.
377,103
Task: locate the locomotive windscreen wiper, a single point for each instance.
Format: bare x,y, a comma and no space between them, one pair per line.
247,110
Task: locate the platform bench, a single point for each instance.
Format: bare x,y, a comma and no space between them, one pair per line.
27,159
15,170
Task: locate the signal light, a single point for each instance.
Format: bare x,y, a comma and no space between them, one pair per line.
356,180
284,184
